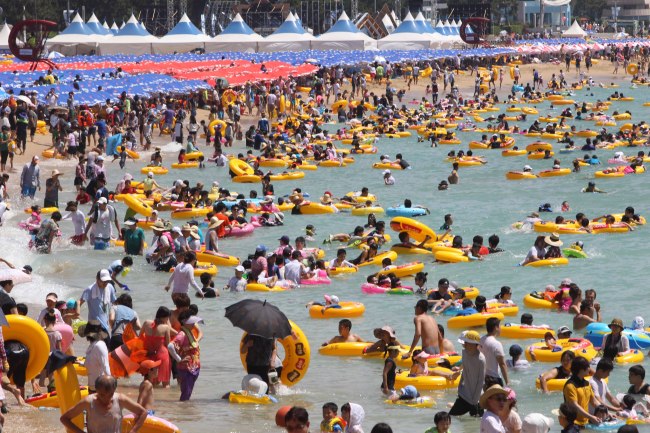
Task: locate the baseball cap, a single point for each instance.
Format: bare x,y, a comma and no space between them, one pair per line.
102,200
27,269
564,330
536,423
285,239
150,174
104,275
177,229
260,248
566,282
240,268
52,298
130,222
528,168
99,158
333,299
409,391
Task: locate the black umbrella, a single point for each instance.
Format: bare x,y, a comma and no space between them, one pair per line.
259,318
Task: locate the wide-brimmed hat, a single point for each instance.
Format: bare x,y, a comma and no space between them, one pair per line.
533,215
616,322
194,232
491,392
214,223
158,225
386,328
554,240
56,173
71,204
93,329
471,337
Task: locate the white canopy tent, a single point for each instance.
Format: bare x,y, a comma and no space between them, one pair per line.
575,31
343,35
76,39
288,37
114,29
184,37
407,36
4,37
131,39
237,36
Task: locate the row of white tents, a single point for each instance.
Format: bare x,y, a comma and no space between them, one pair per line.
133,38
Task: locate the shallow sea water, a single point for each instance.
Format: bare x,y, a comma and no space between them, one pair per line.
483,203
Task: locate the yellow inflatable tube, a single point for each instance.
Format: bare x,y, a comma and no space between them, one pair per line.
415,229
348,309
297,356
427,383
215,123
28,332
472,320
549,262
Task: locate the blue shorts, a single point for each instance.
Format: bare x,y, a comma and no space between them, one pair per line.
28,191
101,244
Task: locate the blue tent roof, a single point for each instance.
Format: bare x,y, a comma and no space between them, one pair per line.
344,25
77,27
132,28
185,27
114,29
421,21
440,28
94,25
408,25
290,25
237,27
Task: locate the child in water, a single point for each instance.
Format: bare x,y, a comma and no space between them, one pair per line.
442,421
331,421
149,371
420,366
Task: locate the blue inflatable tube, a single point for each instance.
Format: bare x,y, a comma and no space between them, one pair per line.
405,211
596,333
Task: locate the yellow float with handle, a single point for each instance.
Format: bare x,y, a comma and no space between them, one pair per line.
314,208
513,152
532,301
243,397
407,250
580,346
344,349
559,261
296,355
473,320
555,172
43,210
28,332
516,330
348,309
154,170
189,213
450,256
392,255
632,356
427,383
363,211
214,124
415,229
256,287
193,156
218,259
182,165
240,167
558,384
404,270
51,399
341,103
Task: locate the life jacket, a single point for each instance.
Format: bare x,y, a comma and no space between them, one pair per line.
328,426
169,238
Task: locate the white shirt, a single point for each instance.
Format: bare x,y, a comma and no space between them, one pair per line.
96,361
600,389
78,221
491,423
182,278
491,348
236,284
103,225
293,271
41,316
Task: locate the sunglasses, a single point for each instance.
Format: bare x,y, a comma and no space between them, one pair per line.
499,398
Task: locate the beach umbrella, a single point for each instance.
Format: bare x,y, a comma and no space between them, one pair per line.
25,99
259,318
